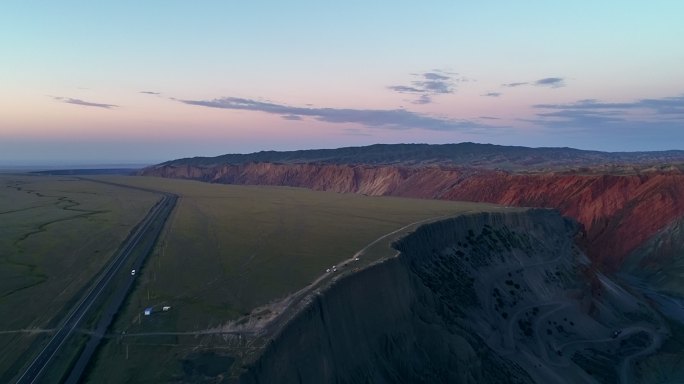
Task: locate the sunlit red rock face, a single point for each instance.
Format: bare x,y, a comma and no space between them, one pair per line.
619,213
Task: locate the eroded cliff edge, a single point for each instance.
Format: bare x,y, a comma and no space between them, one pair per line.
489,297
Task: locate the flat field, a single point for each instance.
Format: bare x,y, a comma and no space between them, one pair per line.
56,233
228,249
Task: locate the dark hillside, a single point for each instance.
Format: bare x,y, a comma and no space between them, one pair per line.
461,154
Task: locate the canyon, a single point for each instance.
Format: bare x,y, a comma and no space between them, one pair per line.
619,212
583,287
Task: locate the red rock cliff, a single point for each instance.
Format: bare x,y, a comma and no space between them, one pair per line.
618,212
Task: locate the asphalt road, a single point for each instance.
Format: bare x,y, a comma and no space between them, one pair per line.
150,226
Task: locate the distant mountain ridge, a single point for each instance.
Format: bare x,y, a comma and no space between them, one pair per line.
461,154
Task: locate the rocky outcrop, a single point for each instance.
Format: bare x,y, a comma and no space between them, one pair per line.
618,212
481,298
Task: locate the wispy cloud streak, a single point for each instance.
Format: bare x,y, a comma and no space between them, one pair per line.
399,119
662,112
429,84
665,105
70,100
513,85
551,82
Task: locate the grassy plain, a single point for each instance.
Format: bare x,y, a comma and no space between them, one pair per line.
56,233
228,249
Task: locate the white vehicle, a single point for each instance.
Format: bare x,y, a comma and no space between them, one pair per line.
133,272
327,270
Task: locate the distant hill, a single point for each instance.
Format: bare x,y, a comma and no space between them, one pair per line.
461,154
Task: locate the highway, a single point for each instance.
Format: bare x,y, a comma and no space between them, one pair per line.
157,215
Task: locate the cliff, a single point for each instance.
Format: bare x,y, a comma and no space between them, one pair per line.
490,297
618,212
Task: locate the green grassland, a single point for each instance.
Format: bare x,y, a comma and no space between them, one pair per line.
56,233
228,249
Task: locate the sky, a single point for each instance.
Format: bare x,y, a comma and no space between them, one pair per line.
140,82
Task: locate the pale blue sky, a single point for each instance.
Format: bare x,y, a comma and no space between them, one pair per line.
342,73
